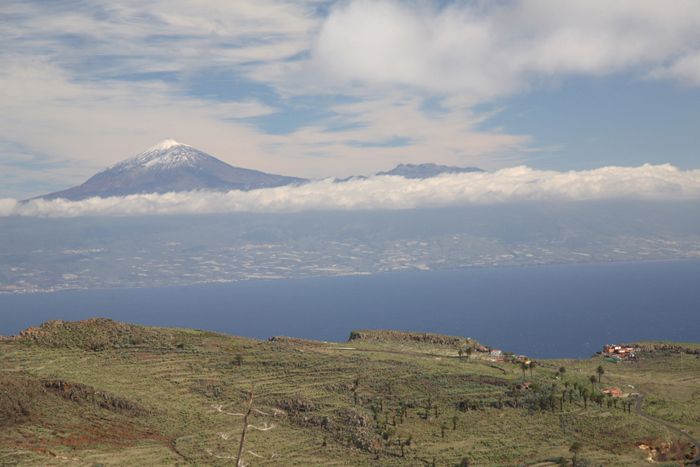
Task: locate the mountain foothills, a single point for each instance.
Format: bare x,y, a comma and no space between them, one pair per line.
101,392
171,166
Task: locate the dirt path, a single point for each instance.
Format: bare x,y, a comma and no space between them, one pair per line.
638,408
418,354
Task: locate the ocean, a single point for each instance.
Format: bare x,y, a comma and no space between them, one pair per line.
555,311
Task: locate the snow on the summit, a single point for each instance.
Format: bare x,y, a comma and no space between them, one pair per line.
165,155
167,143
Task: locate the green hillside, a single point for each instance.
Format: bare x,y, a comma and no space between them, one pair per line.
100,392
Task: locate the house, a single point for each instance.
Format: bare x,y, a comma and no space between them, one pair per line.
618,351
615,392
496,353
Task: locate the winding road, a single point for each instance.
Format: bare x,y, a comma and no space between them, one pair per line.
638,407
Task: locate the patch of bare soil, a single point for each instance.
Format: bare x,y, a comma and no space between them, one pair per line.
664,451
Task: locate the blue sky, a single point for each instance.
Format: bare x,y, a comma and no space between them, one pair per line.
317,88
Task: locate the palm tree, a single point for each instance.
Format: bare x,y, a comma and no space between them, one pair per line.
592,380
601,371
562,370
523,366
575,448
584,394
551,401
454,422
460,352
469,352
531,366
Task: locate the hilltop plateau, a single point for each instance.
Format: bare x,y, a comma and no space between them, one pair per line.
101,392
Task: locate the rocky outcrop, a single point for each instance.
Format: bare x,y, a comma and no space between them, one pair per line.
295,405
421,337
93,334
663,347
83,394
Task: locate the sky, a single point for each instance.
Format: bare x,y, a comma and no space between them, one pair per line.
337,88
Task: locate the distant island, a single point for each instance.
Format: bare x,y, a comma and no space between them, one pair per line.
46,255
101,392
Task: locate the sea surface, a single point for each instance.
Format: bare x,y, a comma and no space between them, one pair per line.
558,311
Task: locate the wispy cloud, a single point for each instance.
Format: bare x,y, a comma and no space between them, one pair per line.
513,185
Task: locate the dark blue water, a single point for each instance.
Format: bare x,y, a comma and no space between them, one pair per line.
544,312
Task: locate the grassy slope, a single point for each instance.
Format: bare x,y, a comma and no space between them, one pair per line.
167,383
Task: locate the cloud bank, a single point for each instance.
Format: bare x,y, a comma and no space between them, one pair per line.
513,185
488,49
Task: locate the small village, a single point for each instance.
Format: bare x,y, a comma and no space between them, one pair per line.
618,353
610,353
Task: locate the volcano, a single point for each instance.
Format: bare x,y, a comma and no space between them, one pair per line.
171,166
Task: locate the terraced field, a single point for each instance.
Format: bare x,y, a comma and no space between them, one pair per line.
99,392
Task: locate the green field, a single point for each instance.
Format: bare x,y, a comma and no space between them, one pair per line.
99,392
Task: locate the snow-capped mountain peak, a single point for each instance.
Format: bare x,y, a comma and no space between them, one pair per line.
167,154
171,166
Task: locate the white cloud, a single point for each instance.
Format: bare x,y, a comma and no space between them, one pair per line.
68,91
490,49
513,185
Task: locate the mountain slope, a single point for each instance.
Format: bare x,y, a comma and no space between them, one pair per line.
171,166
426,170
